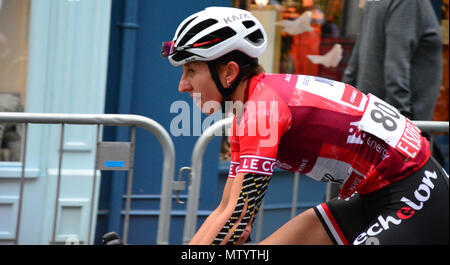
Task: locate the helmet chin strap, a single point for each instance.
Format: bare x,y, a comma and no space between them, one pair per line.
225,92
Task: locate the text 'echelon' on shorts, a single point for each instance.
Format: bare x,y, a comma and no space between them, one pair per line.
412,211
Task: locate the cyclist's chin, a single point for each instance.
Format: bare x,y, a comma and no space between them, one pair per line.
209,107
210,111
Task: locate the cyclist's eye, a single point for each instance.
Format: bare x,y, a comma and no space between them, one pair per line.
188,70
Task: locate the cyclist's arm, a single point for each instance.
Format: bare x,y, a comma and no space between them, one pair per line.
244,193
217,220
232,221
206,226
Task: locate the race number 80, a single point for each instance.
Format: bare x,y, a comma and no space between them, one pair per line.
385,115
385,122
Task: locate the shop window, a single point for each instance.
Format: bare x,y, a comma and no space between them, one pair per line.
14,19
325,46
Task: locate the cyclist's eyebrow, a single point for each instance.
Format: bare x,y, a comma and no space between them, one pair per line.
185,67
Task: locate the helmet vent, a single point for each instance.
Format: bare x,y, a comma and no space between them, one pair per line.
222,34
248,23
180,56
184,26
256,38
196,29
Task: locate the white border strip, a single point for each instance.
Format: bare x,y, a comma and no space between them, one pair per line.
329,224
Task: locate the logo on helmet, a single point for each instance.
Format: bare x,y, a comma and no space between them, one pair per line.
233,18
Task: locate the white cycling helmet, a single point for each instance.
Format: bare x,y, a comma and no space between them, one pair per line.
214,32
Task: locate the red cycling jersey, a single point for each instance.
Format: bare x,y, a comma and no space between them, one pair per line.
326,130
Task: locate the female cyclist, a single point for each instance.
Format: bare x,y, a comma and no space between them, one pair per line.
393,192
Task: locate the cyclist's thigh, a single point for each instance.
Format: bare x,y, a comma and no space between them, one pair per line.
342,219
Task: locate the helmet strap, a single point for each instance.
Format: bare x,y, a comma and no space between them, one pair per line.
225,92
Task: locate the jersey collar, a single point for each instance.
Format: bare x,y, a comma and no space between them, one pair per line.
251,85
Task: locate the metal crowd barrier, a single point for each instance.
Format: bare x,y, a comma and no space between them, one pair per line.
134,121
196,175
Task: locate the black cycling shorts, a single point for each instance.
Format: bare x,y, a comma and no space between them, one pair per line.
410,211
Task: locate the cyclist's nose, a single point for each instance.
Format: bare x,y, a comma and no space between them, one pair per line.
184,86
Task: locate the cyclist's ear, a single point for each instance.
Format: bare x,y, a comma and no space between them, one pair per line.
229,72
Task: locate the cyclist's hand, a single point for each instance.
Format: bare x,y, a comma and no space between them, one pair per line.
245,236
111,238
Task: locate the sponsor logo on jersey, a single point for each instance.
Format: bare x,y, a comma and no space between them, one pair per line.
234,166
324,80
287,77
303,165
327,94
285,166
256,164
352,96
355,134
329,178
359,137
421,195
411,141
379,148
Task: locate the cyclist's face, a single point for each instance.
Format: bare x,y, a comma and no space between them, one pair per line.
197,80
